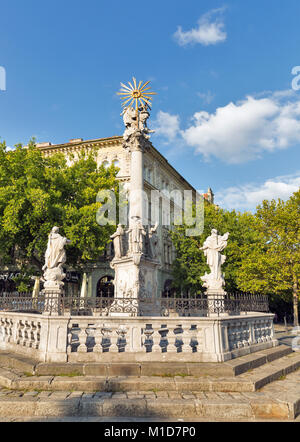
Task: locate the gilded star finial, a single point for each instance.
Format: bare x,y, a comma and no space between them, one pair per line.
136,94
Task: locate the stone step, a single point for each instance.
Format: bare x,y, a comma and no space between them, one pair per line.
17,362
218,407
233,367
250,381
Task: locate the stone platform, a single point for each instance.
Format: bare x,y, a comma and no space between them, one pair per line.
264,385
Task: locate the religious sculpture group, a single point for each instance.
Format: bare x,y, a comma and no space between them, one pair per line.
139,240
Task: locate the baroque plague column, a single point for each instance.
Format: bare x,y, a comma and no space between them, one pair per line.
136,259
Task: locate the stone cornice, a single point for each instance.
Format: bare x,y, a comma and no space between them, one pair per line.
117,141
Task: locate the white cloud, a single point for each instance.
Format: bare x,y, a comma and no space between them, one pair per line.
210,30
207,97
241,132
166,125
249,196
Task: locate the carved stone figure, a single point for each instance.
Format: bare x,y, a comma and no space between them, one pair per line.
136,236
212,247
153,242
129,118
144,114
55,257
117,238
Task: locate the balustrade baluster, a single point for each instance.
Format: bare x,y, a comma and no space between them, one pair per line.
186,338
122,332
22,333
82,335
114,337
171,340
69,341
28,334
34,334
98,340
156,338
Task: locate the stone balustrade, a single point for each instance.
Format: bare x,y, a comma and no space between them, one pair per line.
125,339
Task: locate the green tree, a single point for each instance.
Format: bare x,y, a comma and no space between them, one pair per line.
272,262
38,192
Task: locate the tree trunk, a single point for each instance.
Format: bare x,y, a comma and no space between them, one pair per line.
295,302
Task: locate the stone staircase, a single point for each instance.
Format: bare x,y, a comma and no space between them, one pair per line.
261,385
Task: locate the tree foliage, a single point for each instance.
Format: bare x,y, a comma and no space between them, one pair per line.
272,262
38,192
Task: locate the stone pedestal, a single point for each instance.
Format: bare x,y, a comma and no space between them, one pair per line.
135,286
52,300
216,303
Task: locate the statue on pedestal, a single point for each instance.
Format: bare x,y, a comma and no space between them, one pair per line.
55,257
212,247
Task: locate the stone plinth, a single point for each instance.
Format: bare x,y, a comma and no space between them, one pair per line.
135,282
53,296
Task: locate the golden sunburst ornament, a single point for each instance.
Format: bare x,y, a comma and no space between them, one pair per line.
136,94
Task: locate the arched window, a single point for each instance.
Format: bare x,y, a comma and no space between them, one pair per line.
105,164
105,287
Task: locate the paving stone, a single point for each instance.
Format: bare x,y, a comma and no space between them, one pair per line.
119,396
163,394
30,393
76,394
171,408
44,394
121,407
174,395
188,396
59,395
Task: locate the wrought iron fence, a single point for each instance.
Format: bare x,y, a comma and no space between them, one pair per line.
189,304
171,303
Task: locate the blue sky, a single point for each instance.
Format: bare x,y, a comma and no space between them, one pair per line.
225,116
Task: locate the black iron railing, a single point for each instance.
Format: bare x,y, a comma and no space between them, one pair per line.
183,304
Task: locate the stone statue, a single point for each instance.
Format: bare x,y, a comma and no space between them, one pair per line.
212,247
130,117
136,236
144,114
55,257
153,242
117,238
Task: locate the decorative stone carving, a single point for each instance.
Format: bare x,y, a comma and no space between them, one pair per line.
55,257
212,247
